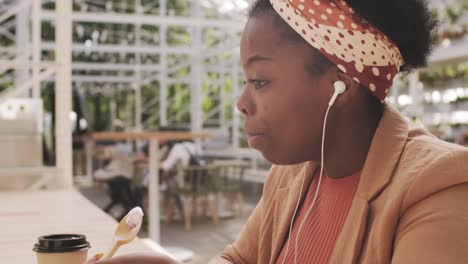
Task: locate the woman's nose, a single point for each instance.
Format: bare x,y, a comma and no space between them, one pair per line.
244,103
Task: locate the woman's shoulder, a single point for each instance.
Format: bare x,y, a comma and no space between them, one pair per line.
420,139
425,152
429,165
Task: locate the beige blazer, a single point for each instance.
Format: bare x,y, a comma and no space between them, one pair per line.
411,205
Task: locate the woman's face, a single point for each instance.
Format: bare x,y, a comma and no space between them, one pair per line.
283,103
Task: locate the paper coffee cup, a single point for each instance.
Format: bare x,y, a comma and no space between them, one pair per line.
62,248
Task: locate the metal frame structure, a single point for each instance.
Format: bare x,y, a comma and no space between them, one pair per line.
118,52
116,29
136,45
111,47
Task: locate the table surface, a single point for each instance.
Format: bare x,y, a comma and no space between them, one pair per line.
24,216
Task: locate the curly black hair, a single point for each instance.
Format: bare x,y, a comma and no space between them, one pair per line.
408,23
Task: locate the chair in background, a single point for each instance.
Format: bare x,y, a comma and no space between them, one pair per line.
229,181
122,192
193,185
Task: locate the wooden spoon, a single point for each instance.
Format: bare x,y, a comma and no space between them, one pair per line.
126,231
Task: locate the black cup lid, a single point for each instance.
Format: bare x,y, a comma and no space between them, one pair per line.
61,243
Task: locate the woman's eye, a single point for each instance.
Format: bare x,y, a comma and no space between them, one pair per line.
258,83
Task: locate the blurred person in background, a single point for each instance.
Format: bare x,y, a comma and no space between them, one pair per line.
174,154
121,158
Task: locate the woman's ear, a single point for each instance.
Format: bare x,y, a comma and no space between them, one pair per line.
352,87
350,83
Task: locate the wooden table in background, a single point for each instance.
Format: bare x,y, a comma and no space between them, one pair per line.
154,139
24,216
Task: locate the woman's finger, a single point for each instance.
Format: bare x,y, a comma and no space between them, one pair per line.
95,258
99,256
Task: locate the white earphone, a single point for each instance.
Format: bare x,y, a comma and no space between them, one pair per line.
340,88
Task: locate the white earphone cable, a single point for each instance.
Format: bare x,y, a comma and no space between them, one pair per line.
322,150
340,87
318,184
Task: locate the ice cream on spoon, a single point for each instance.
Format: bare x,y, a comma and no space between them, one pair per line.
134,218
127,230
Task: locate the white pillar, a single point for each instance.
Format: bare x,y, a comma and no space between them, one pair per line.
63,92
153,191
163,74
89,146
36,46
197,72
138,112
222,92
128,111
22,42
112,110
235,95
138,125
163,93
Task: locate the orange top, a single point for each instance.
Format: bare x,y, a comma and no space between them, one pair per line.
323,225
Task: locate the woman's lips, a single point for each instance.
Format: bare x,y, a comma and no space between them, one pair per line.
254,134
254,138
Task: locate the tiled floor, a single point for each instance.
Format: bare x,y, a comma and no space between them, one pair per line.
205,240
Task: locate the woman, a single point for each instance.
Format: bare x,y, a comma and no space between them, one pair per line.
373,189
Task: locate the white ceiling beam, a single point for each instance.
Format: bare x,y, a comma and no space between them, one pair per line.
108,48
113,67
113,79
15,65
103,79
115,18
14,10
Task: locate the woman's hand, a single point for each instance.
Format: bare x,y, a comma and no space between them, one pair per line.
137,258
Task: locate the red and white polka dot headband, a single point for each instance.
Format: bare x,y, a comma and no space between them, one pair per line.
346,39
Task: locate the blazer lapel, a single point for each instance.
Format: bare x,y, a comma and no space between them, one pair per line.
286,199
350,240
387,146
